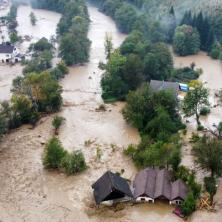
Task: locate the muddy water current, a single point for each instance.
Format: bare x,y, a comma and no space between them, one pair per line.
29,193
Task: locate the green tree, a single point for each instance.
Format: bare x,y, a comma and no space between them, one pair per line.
73,163
57,122
44,91
158,63
14,37
125,17
33,18
189,205
22,106
74,48
53,154
108,45
210,186
186,40
208,154
3,125
144,109
195,99
112,83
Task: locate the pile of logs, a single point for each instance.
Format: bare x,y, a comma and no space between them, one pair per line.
205,203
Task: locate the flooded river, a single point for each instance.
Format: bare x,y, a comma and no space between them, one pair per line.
29,193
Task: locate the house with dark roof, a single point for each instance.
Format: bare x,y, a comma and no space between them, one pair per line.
153,184
111,187
7,53
156,86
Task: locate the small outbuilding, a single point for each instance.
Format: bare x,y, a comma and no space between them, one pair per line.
111,187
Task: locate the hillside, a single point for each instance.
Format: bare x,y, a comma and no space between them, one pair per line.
159,10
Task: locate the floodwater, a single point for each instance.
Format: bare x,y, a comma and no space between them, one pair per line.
45,27
29,193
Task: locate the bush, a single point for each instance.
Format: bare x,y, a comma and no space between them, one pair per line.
73,163
210,186
54,153
3,125
200,127
204,111
189,205
188,177
130,151
57,122
215,51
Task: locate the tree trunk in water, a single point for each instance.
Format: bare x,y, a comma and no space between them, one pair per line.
197,118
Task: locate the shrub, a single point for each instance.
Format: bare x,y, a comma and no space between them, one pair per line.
130,150
73,163
188,177
54,153
200,127
210,186
189,205
204,111
3,125
57,122
215,51
195,138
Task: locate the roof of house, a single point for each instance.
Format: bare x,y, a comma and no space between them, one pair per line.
163,185
156,85
179,190
108,184
156,183
145,183
6,48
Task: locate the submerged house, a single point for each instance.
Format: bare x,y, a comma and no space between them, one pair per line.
153,184
7,53
111,187
157,86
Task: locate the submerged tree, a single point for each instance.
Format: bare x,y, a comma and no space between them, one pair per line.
195,99
186,40
208,153
33,18
108,45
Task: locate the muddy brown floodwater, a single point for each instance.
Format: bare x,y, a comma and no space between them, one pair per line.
29,193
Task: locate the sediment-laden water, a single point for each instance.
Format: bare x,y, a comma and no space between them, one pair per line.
29,193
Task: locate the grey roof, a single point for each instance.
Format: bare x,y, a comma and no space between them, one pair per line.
179,190
163,185
145,183
156,86
5,48
156,184
110,186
